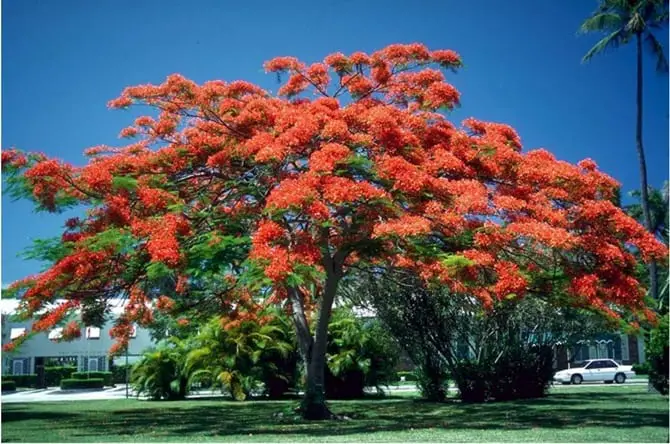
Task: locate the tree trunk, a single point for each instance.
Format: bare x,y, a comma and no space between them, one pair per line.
305,340
644,188
314,403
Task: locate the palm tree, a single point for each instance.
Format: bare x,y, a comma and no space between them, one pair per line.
660,222
236,359
623,21
159,373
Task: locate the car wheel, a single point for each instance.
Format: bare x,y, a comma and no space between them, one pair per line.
576,379
620,378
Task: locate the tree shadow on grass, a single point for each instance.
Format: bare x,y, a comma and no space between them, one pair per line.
259,418
10,414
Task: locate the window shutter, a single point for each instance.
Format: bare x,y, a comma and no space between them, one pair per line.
625,356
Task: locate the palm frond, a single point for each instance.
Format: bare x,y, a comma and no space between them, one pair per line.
197,375
613,40
657,50
601,22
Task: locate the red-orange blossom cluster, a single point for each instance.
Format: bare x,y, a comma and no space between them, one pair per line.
385,167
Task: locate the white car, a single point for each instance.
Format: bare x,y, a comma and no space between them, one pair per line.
595,370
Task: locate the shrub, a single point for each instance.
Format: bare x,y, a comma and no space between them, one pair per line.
349,384
159,373
473,380
279,361
276,386
8,386
657,356
105,376
23,380
432,381
360,353
242,357
519,374
641,369
53,375
119,373
74,384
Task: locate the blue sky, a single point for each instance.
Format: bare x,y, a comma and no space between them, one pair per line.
63,60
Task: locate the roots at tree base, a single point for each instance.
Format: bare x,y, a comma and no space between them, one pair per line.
313,405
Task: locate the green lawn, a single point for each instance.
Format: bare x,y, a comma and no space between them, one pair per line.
601,413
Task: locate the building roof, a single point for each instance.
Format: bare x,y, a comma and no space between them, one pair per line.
10,306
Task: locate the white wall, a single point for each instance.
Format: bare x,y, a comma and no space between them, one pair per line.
39,345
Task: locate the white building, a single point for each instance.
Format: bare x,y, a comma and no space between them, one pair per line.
88,353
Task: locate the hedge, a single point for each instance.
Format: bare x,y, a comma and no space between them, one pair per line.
520,374
53,375
23,380
105,376
92,383
8,386
119,373
641,369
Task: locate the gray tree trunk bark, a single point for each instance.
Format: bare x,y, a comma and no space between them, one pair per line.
644,187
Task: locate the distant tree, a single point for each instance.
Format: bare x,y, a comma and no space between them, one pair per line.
624,21
439,331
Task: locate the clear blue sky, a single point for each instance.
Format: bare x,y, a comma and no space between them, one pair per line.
63,60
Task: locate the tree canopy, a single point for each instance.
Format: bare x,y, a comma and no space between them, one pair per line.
240,198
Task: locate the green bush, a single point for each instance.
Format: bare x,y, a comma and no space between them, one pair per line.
119,373
641,369
432,381
519,374
159,373
409,376
657,356
360,354
8,386
53,375
73,384
23,380
105,376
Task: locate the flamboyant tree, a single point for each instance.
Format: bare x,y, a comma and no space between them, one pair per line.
243,199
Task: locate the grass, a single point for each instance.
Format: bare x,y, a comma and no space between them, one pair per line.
603,413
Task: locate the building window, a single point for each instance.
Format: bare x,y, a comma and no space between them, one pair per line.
625,356
56,334
582,353
16,332
60,361
93,364
17,367
605,350
92,333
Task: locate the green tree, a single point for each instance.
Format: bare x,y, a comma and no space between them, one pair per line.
624,21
